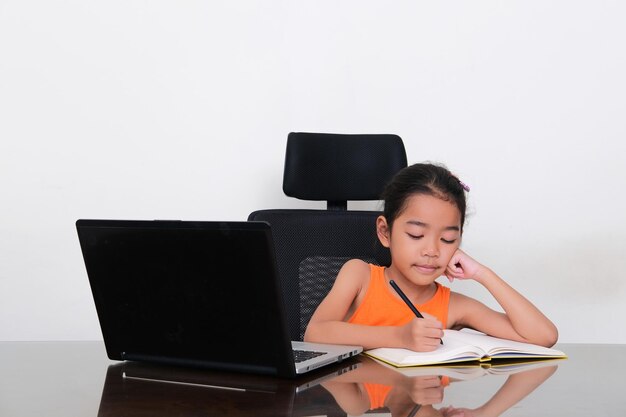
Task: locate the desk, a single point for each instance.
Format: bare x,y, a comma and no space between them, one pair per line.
76,379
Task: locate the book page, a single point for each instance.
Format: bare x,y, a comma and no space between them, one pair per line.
451,351
494,346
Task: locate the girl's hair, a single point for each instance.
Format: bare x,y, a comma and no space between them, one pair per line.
426,179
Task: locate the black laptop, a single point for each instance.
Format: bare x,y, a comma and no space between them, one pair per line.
202,294
133,388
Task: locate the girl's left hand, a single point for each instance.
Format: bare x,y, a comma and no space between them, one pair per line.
462,266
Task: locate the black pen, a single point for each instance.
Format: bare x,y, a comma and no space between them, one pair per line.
407,301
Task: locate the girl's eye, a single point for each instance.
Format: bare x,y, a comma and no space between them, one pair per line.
449,242
416,237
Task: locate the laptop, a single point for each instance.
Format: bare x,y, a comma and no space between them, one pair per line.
152,389
191,293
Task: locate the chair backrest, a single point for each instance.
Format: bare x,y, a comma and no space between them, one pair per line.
312,245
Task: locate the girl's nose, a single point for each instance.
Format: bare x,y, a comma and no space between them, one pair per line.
431,250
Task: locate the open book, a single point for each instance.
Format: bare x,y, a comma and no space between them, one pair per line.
461,346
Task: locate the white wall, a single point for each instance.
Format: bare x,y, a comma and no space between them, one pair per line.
181,109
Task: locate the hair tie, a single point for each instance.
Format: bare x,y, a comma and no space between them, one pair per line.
465,186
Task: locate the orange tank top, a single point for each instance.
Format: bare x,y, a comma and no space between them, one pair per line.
381,308
378,393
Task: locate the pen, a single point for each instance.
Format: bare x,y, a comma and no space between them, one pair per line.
407,301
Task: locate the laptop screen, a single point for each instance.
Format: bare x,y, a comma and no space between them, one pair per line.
192,292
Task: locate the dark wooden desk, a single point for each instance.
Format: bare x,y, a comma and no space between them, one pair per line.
76,379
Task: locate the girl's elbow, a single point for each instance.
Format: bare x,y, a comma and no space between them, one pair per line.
545,336
307,335
554,338
550,337
311,334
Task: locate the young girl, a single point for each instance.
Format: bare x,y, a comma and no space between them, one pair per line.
422,225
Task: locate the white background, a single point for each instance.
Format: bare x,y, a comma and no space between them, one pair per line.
181,109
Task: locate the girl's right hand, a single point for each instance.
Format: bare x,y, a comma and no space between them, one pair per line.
422,335
425,390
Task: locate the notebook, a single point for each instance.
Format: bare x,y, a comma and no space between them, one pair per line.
464,347
202,294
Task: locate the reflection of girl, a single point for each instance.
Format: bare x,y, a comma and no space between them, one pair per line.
422,226
516,387
373,386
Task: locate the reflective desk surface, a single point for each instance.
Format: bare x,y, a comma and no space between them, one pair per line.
76,379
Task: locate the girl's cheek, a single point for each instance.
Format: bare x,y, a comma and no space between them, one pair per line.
450,253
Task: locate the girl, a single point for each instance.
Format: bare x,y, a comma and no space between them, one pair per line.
422,225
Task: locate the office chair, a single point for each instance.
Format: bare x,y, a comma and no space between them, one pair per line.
312,245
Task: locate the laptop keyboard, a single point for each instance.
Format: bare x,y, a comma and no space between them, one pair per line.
303,355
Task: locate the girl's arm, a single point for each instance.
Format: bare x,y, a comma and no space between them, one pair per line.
516,388
328,325
521,321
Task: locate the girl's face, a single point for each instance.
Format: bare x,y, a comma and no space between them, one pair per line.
422,238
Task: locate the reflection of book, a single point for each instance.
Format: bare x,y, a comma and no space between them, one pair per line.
467,370
459,347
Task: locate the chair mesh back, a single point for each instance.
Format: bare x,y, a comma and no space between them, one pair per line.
316,277
303,238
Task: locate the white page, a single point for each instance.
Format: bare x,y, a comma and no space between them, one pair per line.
494,345
450,350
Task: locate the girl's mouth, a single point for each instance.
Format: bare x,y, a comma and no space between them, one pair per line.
426,269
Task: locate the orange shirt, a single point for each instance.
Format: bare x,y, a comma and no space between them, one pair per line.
381,308
378,393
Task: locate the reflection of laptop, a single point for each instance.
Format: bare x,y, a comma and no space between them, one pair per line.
202,294
131,387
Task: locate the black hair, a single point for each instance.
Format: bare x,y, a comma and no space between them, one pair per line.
426,179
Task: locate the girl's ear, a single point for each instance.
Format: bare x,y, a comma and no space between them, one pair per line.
383,231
